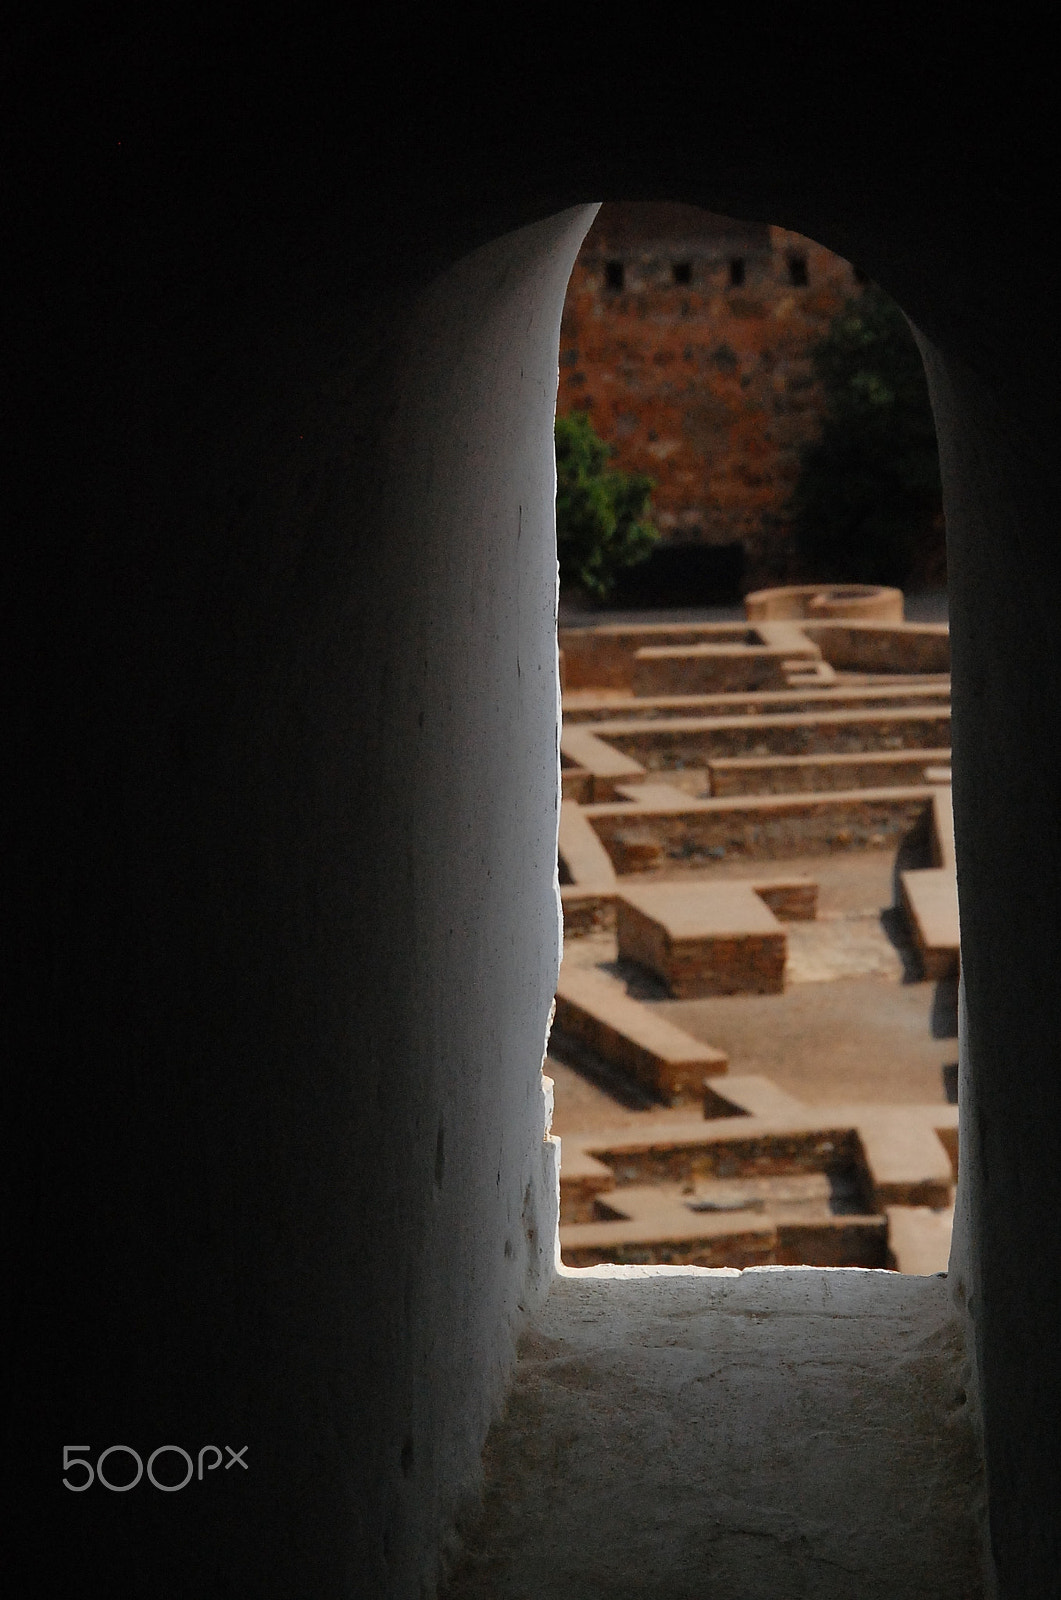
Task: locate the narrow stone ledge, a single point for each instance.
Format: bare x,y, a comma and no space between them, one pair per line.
678,1433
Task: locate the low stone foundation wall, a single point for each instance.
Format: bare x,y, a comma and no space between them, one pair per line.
708,669
587,910
586,706
814,774
771,828
596,1012
701,940
794,900
592,910
603,658
695,741
576,784
869,647
844,1242
775,1154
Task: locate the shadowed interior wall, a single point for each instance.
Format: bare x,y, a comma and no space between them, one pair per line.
304,754
1002,487
268,506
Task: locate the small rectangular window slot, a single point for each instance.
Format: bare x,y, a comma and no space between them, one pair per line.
683,272
736,272
614,274
797,271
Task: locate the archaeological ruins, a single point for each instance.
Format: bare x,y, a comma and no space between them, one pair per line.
707,769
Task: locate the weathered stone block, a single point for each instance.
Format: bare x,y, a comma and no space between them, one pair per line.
930,900
703,939
598,1012
708,668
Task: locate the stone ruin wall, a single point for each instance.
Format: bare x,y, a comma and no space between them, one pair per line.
704,384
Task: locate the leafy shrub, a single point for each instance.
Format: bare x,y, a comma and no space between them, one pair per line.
601,514
868,506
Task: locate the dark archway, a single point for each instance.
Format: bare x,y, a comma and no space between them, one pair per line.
235,1123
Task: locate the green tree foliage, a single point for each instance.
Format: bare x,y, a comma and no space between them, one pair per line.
868,506
601,524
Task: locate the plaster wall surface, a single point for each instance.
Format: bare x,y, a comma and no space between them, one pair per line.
1001,480
471,513
305,768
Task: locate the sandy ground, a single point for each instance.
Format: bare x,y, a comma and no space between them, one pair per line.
855,1022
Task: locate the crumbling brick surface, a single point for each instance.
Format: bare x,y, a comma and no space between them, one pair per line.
702,381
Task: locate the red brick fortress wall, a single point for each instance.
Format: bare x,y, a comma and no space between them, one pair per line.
687,338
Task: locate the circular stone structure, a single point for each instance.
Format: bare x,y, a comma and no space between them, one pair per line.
865,602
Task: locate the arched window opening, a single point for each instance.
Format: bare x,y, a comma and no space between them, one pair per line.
757,1013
